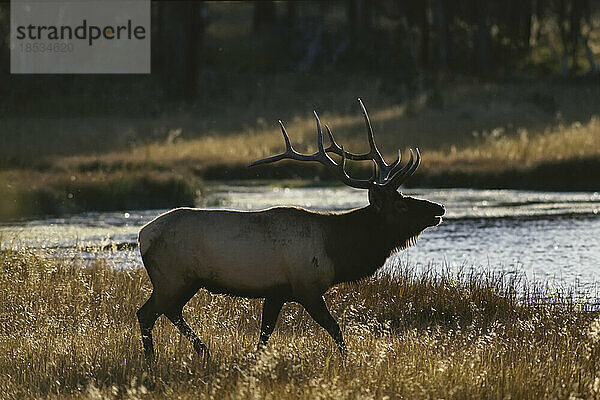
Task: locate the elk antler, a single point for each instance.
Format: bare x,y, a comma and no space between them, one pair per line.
384,175
320,156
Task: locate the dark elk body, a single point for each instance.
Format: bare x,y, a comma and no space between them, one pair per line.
284,253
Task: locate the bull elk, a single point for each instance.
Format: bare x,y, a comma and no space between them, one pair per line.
283,253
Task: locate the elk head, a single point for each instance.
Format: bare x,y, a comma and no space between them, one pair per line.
392,208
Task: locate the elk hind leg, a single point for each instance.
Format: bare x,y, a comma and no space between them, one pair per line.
175,315
317,309
147,316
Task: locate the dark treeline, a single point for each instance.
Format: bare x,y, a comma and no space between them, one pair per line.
410,37
192,52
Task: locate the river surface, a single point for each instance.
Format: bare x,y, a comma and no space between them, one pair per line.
544,237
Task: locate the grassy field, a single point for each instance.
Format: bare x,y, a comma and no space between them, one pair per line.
69,331
525,135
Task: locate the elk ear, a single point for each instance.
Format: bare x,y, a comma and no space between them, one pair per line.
377,197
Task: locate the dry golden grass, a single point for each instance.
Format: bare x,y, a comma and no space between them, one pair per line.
495,149
69,331
451,118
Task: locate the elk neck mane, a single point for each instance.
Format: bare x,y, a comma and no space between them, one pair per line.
359,241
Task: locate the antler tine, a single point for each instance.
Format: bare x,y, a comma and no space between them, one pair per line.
374,153
395,166
385,170
336,149
289,153
289,150
333,146
384,175
321,155
324,158
416,165
288,144
355,183
405,169
403,174
396,163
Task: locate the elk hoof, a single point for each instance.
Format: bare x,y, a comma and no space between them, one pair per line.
149,358
202,350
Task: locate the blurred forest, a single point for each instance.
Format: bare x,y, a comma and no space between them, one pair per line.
198,45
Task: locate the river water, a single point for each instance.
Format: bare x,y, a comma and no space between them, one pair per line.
544,237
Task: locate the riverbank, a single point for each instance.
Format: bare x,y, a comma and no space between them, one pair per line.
25,193
52,195
70,330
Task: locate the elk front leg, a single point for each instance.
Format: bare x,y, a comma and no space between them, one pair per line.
271,308
317,309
